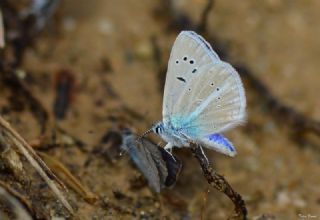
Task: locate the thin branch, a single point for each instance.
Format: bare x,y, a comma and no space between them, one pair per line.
12,136
220,183
70,179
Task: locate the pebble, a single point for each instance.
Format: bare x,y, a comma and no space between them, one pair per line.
105,27
69,24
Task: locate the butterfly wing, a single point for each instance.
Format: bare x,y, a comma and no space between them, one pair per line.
189,52
168,166
219,143
143,159
155,157
211,100
159,167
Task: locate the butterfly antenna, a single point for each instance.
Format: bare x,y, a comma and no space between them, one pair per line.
144,134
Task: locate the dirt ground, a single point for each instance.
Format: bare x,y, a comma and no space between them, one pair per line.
108,46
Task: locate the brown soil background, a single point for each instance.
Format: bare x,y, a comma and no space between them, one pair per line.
277,40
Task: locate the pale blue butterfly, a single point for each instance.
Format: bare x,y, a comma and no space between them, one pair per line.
203,96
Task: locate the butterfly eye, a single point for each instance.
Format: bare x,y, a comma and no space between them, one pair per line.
191,61
211,84
194,70
177,61
185,58
218,89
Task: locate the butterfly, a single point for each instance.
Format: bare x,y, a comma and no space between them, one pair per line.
203,96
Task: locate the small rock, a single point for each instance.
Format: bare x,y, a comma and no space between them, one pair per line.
69,24
105,27
283,198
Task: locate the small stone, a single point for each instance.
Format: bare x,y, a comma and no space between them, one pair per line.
69,24
283,198
105,27
144,50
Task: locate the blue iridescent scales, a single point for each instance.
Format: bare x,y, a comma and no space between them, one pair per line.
220,139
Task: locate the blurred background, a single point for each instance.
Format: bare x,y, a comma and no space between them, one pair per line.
73,72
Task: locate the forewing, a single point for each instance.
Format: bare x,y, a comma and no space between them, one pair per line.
189,52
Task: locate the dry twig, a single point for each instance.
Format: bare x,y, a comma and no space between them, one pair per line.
70,180
11,136
220,183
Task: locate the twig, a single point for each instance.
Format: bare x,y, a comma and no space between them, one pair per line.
70,179
10,158
220,183
12,136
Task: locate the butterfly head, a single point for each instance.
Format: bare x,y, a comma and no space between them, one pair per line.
158,128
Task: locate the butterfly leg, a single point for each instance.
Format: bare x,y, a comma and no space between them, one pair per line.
168,148
204,155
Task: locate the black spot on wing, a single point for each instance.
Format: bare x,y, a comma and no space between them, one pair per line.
181,79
